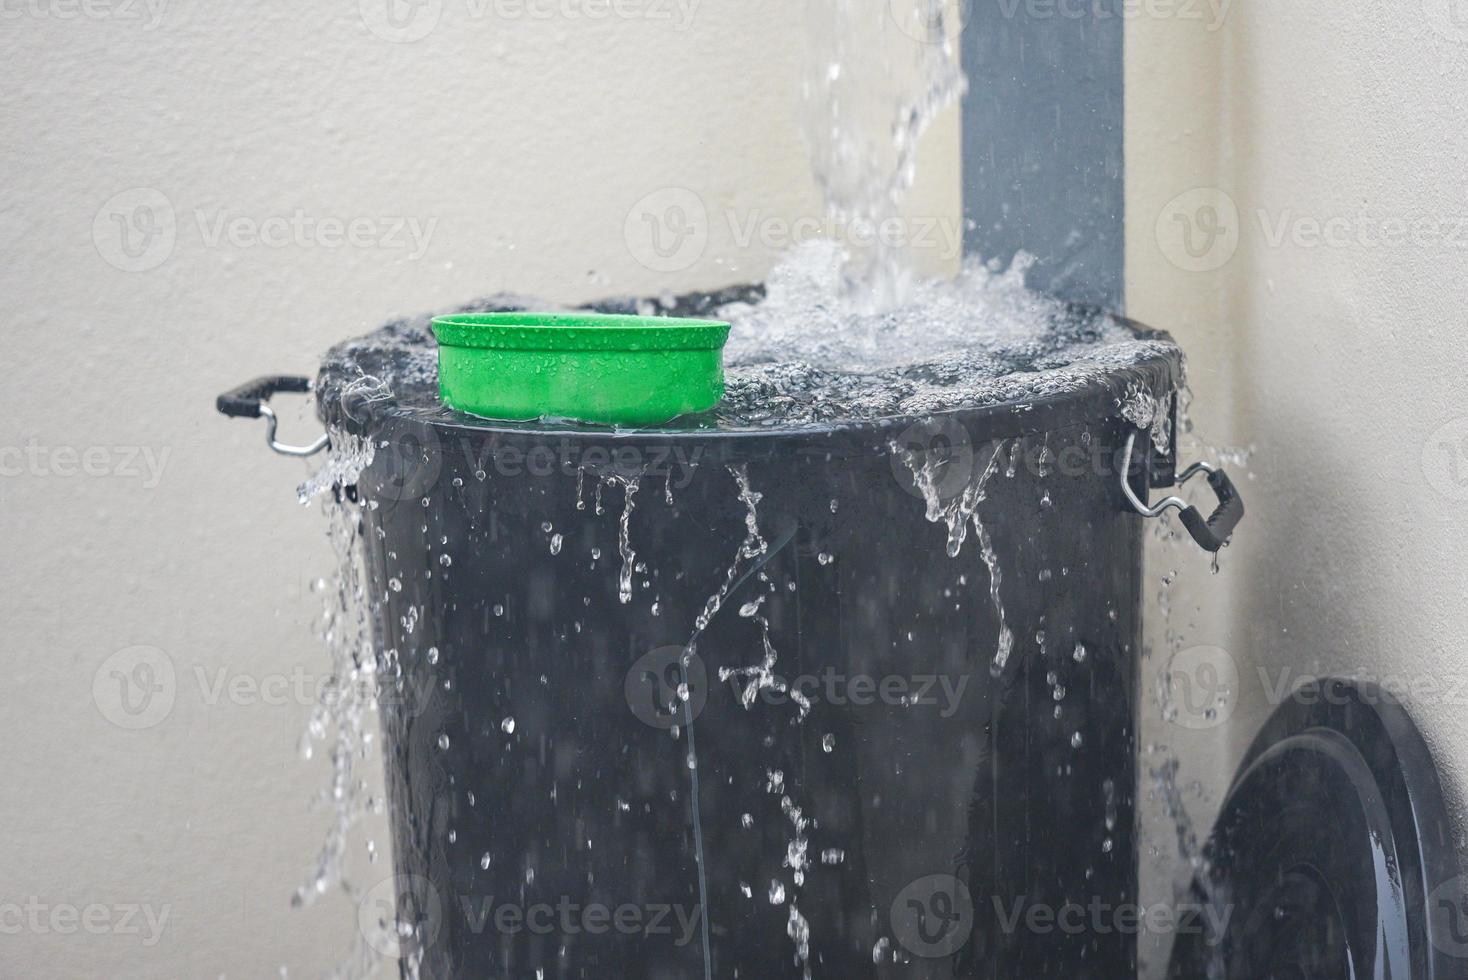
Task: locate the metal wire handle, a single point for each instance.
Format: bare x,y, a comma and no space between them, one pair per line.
1213,533
249,400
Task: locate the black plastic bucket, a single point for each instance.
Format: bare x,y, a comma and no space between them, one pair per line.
589,773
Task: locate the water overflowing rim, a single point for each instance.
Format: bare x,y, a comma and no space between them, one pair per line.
579,331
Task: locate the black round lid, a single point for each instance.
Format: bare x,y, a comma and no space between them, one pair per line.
1332,856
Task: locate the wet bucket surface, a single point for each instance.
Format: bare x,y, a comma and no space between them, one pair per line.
709,701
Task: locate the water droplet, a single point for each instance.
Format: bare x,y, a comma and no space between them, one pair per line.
829,742
443,741
508,725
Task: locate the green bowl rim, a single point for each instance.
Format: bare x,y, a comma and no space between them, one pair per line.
571,332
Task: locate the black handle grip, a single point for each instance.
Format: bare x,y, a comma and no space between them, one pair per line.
245,401
1212,534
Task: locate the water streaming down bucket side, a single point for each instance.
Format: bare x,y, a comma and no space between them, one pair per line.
339,719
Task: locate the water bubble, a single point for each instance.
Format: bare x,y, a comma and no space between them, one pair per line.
443,741
508,725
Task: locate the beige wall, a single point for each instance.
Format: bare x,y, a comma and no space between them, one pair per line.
522,149
1344,363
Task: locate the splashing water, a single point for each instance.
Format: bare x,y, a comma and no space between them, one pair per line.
347,700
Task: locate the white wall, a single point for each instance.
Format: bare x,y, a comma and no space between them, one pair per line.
524,144
1344,363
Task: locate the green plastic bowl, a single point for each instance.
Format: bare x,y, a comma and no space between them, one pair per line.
592,367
